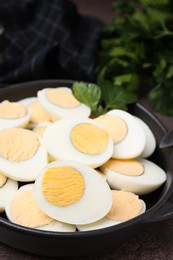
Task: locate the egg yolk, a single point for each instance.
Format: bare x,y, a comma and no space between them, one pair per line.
127,167
38,114
3,180
62,98
24,211
62,186
12,110
89,138
125,206
115,126
17,144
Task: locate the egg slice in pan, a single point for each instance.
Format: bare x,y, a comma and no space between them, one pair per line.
61,103
38,114
22,154
125,206
13,114
82,140
127,134
8,188
23,210
150,144
139,176
72,192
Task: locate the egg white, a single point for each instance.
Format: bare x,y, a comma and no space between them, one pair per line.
150,144
7,192
26,170
56,112
134,142
28,100
58,143
93,205
53,226
152,178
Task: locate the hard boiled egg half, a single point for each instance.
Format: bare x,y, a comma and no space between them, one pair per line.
23,210
127,134
72,192
61,103
125,206
82,140
13,114
22,154
38,114
139,176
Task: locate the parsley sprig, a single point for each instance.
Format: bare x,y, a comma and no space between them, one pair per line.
102,98
136,53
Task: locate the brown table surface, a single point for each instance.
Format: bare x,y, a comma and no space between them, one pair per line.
156,241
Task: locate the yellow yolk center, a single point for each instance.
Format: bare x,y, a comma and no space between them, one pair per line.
131,167
115,126
3,180
125,206
17,144
89,138
25,212
38,114
62,98
12,110
62,186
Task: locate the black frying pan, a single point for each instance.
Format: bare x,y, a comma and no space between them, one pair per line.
89,242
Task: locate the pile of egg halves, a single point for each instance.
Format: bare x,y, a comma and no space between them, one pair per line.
62,170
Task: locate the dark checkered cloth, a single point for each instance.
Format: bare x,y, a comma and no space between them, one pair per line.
47,39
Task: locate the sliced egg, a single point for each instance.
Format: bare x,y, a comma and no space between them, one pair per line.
61,103
23,210
139,176
127,134
38,114
125,206
72,192
82,140
150,144
8,188
13,114
22,154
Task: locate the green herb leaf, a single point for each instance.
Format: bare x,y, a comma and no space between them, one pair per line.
115,97
161,98
136,54
88,94
169,73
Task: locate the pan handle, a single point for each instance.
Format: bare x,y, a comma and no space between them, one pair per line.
165,212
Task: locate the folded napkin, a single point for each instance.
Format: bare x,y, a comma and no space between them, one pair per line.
47,39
